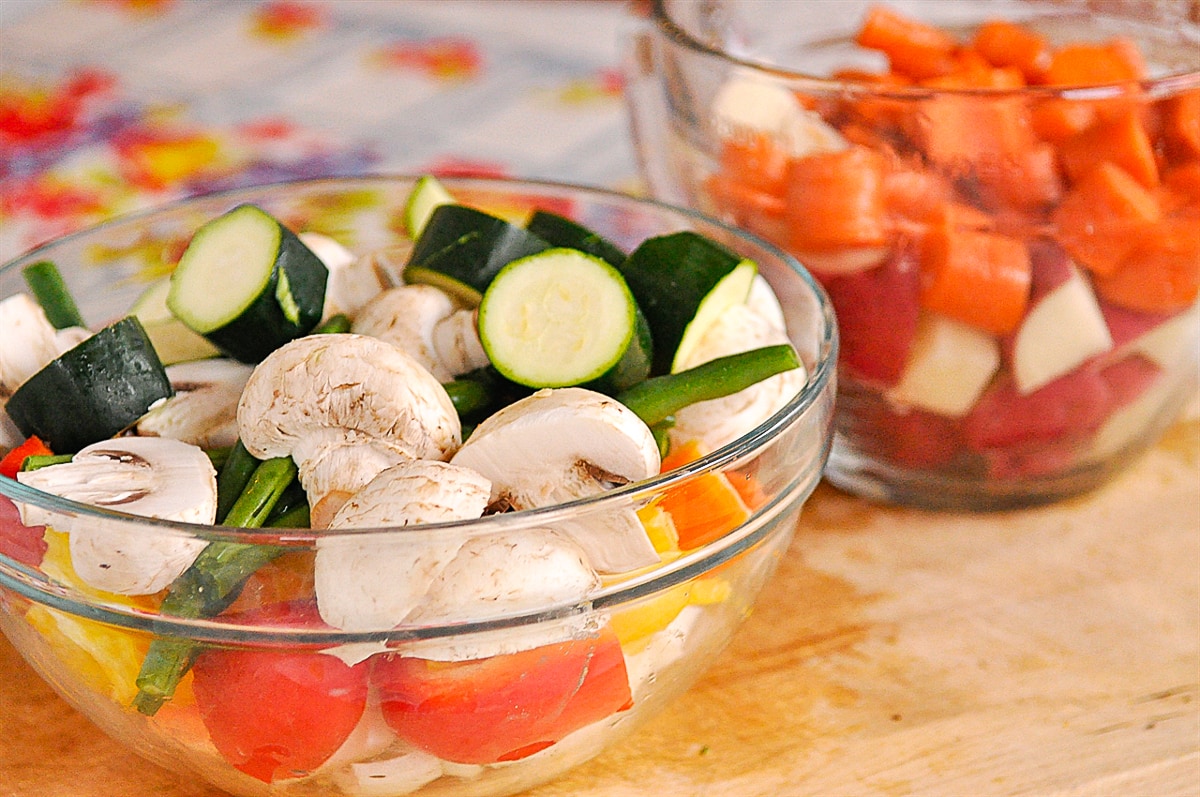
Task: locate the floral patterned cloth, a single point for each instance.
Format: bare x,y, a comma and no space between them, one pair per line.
108,106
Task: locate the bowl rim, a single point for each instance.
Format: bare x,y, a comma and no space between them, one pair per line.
1169,83
821,381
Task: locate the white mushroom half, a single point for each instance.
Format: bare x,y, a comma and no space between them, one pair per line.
502,574
29,341
203,410
747,106
564,444
344,407
371,581
354,281
719,421
152,477
406,317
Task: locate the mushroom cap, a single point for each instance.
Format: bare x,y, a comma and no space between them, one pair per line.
152,477
28,342
203,410
371,582
502,574
323,391
559,445
563,444
406,317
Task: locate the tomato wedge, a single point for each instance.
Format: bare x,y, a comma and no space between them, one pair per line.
504,707
278,713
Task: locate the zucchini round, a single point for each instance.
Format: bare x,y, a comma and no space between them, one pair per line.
683,281
462,249
172,339
248,284
561,317
93,391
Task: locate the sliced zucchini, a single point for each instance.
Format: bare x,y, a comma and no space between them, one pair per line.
248,284
560,231
427,195
683,281
93,391
561,317
172,339
461,250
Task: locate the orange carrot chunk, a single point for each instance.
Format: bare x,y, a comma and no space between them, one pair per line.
1005,43
913,48
1099,220
1122,141
835,199
977,277
1089,64
1161,273
1182,130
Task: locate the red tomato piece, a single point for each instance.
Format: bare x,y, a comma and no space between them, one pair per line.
26,544
504,707
278,713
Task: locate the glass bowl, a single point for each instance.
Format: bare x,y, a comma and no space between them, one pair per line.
504,694
1004,210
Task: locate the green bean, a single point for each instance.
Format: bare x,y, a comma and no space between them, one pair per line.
656,399
212,583
339,322
51,292
235,474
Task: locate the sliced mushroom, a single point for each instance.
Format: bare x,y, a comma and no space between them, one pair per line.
152,477
561,445
332,400
503,574
719,421
354,281
456,341
203,410
406,317
371,581
29,341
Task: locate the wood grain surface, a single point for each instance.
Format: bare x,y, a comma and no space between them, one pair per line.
1052,651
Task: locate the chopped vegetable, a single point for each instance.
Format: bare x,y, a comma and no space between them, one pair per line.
51,292
14,461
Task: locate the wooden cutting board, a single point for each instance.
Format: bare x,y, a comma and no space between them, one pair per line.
1052,651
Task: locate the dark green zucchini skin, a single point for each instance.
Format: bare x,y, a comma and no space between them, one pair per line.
469,246
635,365
560,231
670,276
92,391
264,326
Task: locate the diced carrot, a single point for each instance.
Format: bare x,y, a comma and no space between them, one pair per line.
1005,43
1126,51
1182,183
11,464
1090,64
835,199
1182,125
913,48
755,160
1101,217
287,578
914,195
1161,273
977,277
958,217
1054,119
1028,180
704,507
1122,141
980,75
958,130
